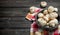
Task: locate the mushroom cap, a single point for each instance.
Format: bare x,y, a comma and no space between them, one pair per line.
46,17
50,9
56,9
45,12
52,24
40,15
42,21
32,8
53,15
43,4
55,21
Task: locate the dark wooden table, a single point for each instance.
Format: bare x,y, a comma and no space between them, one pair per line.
13,12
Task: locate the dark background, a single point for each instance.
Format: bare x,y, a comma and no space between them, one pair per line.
13,12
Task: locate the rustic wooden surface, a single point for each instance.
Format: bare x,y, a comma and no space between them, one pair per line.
13,12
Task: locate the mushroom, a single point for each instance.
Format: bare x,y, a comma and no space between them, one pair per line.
46,17
43,4
50,9
53,15
40,15
42,21
54,21
56,9
45,12
32,8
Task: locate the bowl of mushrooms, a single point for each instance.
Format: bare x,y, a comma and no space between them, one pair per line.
47,19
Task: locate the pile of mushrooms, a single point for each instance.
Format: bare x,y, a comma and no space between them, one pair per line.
48,17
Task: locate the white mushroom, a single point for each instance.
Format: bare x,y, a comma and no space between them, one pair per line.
40,15
46,18
50,9
56,9
55,21
53,15
42,21
32,8
52,24
43,4
47,15
45,12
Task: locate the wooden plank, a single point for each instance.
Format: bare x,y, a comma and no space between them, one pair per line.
14,32
14,22
19,3
13,11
